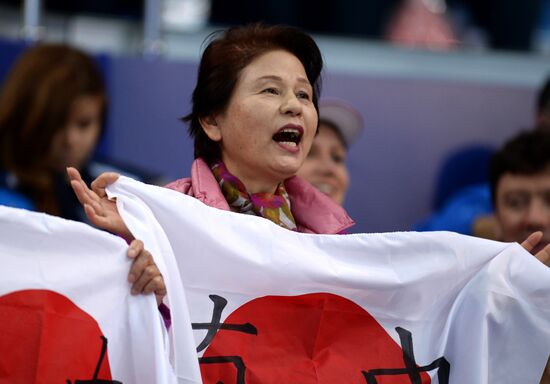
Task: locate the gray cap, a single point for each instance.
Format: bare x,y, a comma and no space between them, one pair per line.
345,117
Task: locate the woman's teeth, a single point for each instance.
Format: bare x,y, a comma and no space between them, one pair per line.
289,143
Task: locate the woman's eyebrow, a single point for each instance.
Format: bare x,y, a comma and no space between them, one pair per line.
266,78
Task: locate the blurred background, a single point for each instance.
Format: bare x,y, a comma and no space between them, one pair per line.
430,77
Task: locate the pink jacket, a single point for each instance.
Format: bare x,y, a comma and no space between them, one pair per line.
313,211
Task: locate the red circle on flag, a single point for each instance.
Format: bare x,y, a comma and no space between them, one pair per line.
314,338
46,338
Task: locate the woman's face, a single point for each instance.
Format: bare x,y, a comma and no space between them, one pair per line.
325,166
73,145
267,128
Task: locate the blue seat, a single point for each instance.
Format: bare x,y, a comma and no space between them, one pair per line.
463,167
9,51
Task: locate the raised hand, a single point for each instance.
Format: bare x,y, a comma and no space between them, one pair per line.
101,211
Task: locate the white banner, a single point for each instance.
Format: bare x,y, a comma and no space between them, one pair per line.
262,304
66,312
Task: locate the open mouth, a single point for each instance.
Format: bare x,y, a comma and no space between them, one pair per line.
288,136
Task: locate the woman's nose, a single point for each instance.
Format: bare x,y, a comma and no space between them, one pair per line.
291,105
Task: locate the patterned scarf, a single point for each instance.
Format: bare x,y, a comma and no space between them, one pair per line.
274,207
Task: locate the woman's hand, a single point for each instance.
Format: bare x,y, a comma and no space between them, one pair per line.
532,241
101,211
144,273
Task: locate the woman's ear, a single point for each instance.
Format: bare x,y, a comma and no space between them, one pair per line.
211,128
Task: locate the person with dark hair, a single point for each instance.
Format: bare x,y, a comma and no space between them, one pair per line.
52,111
469,210
520,187
325,166
254,116
520,192
52,108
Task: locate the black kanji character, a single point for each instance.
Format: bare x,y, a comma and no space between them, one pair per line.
215,324
213,327
411,369
237,361
94,379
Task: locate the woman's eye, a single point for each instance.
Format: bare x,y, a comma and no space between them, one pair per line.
303,95
272,91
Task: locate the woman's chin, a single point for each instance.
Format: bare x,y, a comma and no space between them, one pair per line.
285,172
286,162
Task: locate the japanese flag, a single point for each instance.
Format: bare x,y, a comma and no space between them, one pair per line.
66,313
261,304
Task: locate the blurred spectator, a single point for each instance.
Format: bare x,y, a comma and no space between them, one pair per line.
508,24
520,188
423,24
520,192
325,166
469,210
52,108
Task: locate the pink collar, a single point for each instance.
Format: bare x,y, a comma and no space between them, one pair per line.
314,212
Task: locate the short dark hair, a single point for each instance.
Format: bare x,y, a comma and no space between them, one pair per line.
526,154
226,55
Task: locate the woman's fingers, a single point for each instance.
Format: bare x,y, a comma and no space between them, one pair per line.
144,273
105,179
156,285
101,211
142,260
135,248
83,193
148,273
